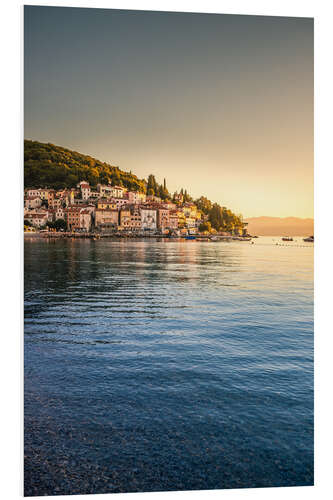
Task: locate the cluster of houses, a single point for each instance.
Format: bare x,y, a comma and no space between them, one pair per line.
110,208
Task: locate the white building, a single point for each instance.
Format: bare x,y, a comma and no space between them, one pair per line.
37,219
148,218
113,191
104,190
85,219
33,192
135,197
85,189
191,222
118,191
32,202
119,202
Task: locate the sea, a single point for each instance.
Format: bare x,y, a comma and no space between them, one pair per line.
162,365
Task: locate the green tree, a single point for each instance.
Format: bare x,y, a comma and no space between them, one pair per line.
60,224
205,226
152,185
187,197
204,205
57,224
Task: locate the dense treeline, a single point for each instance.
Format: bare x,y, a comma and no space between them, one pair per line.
160,190
220,218
58,168
223,219
47,165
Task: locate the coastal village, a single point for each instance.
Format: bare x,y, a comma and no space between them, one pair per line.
114,210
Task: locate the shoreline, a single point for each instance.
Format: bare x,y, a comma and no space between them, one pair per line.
298,242
97,236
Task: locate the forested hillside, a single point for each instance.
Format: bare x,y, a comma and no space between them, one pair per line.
47,165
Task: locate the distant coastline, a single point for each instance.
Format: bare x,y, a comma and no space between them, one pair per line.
280,226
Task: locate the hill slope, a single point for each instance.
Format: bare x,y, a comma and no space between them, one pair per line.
280,226
54,166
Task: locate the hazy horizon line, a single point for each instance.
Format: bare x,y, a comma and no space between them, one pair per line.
278,217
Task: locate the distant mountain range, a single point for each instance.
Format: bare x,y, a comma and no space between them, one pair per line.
279,226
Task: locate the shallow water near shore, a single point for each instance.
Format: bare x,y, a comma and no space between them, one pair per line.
167,365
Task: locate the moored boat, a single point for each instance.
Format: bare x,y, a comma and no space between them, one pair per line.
309,239
287,238
242,238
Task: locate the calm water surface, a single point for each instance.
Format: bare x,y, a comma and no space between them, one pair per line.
167,365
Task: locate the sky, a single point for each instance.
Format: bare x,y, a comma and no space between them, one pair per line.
221,105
